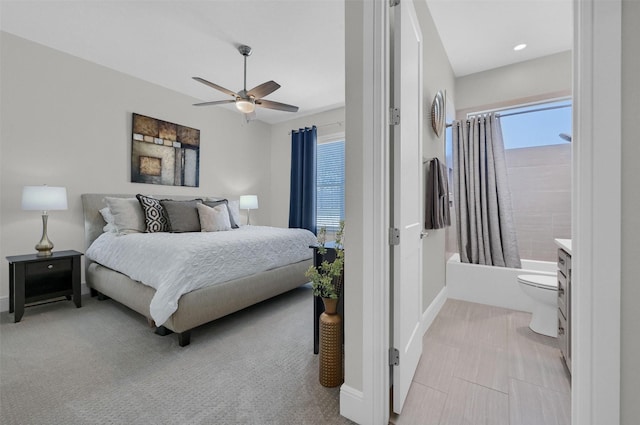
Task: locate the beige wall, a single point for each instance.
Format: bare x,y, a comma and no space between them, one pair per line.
540,183
67,122
630,291
329,122
549,75
437,75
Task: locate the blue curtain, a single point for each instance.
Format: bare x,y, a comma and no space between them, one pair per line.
302,204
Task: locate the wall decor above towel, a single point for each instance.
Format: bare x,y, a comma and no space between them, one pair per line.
437,113
164,153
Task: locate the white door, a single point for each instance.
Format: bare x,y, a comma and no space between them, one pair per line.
407,198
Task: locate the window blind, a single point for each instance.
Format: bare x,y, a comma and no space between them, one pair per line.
330,185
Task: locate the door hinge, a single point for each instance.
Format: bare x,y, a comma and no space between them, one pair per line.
394,3
394,357
394,236
394,116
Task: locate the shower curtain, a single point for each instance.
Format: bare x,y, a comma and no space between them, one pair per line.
484,215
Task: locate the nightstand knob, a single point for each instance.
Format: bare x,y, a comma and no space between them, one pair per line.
50,266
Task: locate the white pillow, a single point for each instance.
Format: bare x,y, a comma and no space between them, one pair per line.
108,218
234,211
214,219
127,215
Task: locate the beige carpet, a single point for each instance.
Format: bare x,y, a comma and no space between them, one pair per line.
102,364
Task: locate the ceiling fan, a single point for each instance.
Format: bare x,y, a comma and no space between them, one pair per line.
246,101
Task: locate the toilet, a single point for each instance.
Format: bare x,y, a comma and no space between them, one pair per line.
543,290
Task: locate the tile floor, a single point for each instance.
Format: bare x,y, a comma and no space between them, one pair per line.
482,365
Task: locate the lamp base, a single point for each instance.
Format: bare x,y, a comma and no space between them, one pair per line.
45,246
44,252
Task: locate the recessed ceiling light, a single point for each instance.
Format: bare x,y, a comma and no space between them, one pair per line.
519,47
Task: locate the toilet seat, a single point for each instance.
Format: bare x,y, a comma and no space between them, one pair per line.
539,281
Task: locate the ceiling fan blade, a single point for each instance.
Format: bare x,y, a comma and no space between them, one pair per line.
276,105
215,102
215,86
264,89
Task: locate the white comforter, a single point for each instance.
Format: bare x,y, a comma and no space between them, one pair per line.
177,263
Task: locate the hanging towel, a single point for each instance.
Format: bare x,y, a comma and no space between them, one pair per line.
437,214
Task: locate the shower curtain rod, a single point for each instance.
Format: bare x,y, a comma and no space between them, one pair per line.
530,110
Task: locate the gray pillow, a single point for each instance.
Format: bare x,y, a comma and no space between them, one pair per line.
183,215
217,202
127,215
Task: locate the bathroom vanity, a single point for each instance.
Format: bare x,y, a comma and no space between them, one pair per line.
564,299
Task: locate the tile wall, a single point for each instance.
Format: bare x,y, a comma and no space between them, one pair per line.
540,181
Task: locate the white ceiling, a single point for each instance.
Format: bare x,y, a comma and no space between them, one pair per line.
297,43
480,34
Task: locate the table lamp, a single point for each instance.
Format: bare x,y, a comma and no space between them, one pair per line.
249,202
44,198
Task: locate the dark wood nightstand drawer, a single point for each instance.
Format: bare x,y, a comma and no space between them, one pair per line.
47,278
49,267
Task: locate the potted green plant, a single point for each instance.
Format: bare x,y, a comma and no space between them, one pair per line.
328,278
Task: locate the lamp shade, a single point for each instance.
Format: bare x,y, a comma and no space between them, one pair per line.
44,198
249,202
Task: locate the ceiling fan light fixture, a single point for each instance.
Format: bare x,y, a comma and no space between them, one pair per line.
246,105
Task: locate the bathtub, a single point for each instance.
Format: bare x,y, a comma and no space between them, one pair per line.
490,285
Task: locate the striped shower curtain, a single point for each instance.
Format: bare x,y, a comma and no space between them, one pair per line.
484,215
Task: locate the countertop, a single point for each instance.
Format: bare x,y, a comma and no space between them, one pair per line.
564,244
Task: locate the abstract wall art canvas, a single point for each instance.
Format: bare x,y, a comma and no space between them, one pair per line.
164,153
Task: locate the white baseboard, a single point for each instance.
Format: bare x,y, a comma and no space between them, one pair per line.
432,311
352,404
4,301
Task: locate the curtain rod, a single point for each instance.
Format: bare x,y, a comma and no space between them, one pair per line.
527,111
340,123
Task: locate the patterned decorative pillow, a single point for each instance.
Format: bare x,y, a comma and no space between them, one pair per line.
155,217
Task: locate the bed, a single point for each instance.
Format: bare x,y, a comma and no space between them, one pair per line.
202,301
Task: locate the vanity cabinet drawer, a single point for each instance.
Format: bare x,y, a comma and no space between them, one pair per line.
564,261
564,338
563,292
564,305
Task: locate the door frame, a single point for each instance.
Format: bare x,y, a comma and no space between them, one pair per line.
596,314
596,196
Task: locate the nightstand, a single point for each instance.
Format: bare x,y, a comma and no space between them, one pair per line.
318,305
33,279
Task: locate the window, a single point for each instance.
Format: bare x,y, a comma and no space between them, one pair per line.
536,125
330,184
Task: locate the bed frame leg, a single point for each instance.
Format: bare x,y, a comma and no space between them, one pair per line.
162,331
184,338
